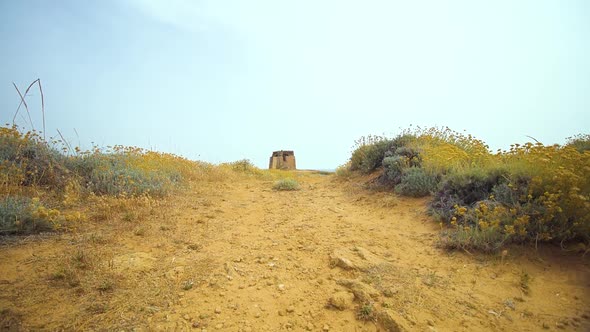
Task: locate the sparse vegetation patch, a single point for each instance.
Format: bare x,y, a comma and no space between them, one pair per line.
286,185
530,193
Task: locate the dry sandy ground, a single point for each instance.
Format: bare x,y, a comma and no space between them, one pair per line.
241,257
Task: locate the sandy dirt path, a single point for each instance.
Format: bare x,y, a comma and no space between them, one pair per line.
329,257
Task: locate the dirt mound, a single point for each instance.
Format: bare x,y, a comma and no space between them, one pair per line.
356,258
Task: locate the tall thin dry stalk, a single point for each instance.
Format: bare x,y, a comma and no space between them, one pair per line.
23,102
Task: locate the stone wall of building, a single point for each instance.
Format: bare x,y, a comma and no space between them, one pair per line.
282,160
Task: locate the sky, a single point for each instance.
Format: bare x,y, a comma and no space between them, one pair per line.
223,80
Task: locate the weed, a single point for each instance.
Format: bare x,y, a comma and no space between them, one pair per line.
129,216
193,246
366,312
80,259
105,286
580,142
429,279
416,182
468,238
187,285
343,172
325,173
510,304
97,308
97,238
10,320
389,201
286,185
139,231
524,282
24,215
244,166
66,275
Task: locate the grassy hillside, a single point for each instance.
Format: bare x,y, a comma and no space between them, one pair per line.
46,186
530,193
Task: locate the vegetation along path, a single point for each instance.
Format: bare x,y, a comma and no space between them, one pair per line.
239,256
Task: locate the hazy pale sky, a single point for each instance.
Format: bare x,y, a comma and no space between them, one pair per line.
225,80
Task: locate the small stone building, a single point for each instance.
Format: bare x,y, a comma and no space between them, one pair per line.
282,160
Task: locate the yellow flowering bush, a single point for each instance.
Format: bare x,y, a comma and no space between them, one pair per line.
530,192
68,179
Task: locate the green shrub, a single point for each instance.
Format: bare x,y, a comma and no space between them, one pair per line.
511,194
580,142
343,172
412,156
416,182
286,184
367,158
119,174
473,238
370,151
464,189
393,167
20,215
529,193
244,166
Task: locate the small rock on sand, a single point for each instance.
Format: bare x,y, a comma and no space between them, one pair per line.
362,292
341,300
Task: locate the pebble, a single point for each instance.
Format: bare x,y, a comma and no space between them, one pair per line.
257,315
326,328
281,313
219,326
186,317
217,310
281,287
291,309
309,326
196,324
